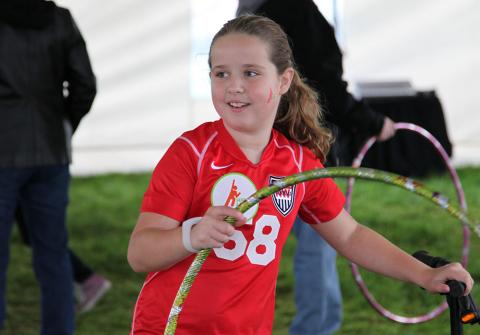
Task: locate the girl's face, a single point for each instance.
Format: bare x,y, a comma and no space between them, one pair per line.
246,88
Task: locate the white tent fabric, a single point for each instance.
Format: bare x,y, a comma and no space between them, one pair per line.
140,54
140,50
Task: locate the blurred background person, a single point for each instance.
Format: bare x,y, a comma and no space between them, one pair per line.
46,86
319,60
90,287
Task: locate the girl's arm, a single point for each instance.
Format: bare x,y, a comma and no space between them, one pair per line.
372,251
156,241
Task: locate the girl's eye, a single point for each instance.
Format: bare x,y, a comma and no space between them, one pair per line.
251,73
221,74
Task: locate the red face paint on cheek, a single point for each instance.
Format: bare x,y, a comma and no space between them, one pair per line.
270,94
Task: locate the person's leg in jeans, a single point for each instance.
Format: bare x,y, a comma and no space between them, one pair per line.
9,186
318,297
90,287
81,271
43,202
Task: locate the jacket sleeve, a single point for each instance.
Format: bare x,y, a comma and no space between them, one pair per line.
79,75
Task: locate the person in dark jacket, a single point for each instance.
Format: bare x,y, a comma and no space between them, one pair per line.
46,87
319,60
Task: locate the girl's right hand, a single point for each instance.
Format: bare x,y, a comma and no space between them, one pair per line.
213,231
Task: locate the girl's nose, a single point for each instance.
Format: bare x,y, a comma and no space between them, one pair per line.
236,86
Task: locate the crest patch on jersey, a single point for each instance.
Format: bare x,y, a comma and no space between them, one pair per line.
283,199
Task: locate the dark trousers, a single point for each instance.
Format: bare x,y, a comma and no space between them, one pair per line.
42,193
81,271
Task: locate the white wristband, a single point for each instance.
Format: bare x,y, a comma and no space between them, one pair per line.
186,229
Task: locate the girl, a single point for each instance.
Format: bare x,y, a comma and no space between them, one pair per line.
268,129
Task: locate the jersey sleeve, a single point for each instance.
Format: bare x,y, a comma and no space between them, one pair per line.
171,186
323,200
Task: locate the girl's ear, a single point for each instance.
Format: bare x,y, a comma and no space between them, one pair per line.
286,79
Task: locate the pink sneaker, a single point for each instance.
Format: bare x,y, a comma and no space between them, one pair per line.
91,291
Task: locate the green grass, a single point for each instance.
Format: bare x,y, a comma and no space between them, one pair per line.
103,211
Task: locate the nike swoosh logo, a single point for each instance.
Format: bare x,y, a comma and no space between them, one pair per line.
219,167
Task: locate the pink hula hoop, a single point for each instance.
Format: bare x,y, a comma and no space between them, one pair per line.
466,232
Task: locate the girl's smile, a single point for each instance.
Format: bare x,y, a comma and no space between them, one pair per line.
238,106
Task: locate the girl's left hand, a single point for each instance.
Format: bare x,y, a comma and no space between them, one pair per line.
436,278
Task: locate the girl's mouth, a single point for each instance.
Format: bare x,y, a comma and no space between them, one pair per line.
237,104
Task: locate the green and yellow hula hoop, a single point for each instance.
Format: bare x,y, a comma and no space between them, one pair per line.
335,172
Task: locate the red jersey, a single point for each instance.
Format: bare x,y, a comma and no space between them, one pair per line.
234,292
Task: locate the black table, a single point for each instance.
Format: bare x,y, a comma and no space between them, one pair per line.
408,153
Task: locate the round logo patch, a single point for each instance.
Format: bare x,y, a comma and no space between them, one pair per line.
231,189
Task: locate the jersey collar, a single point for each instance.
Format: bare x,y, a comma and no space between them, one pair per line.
232,148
